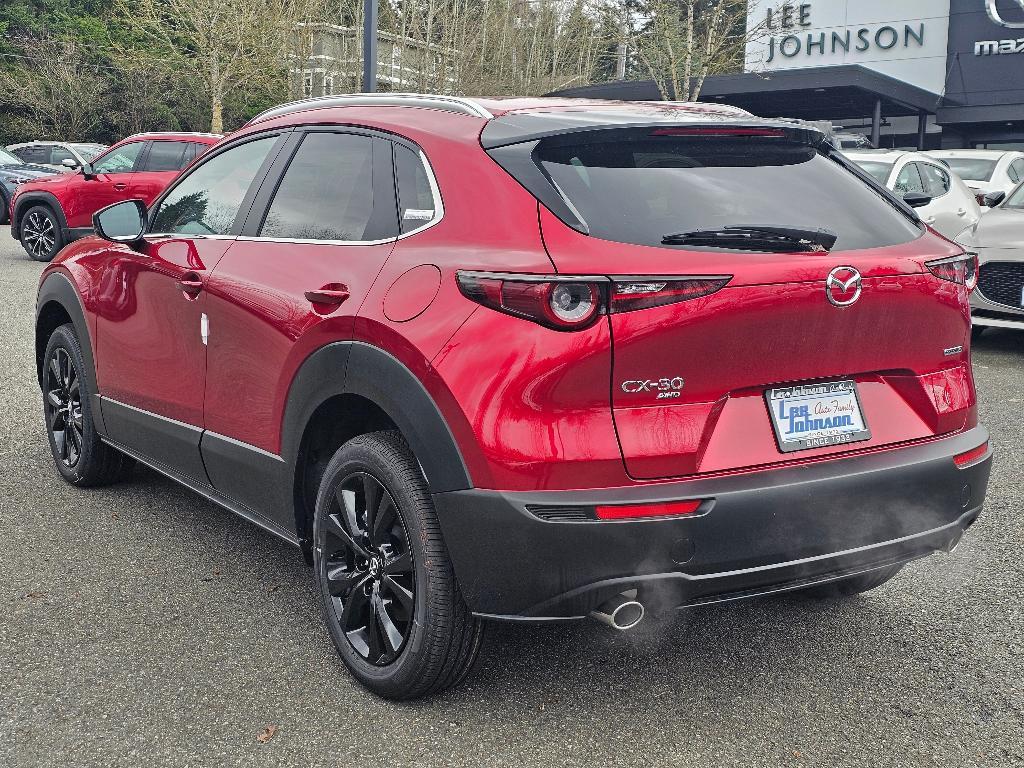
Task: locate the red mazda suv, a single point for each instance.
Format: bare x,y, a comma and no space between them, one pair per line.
50,212
527,360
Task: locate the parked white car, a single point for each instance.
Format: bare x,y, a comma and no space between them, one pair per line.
984,170
952,210
64,156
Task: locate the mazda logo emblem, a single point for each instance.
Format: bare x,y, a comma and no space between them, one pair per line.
992,9
842,286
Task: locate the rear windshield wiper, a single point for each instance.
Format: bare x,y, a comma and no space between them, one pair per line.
773,239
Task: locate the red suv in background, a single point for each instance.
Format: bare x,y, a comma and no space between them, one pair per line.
46,214
528,360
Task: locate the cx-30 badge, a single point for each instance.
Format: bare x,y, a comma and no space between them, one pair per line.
661,388
842,286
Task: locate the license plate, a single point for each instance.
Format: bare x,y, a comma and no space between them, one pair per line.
816,415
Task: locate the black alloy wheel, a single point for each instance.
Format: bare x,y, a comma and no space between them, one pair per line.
80,455
64,407
367,565
40,234
391,603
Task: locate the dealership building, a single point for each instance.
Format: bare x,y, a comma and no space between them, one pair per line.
906,73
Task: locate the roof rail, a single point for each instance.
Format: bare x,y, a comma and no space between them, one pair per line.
428,101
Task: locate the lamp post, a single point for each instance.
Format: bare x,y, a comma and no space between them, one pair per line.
370,46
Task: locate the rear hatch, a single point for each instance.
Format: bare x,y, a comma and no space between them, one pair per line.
776,361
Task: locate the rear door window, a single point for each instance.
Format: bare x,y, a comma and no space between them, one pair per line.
166,156
936,180
37,155
327,192
638,186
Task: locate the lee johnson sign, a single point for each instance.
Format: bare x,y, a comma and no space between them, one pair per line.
788,41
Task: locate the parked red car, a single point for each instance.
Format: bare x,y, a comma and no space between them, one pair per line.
527,360
48,213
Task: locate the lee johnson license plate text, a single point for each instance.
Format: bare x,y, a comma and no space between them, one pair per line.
816,415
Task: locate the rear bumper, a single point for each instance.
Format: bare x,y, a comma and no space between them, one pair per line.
761,532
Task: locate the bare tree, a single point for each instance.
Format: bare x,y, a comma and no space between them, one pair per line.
684,41
225,45
57,95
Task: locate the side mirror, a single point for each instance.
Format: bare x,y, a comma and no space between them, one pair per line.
69,162
916,199
123,222
992,199
88,171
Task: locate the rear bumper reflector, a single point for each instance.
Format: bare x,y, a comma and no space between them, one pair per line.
631,511
967,458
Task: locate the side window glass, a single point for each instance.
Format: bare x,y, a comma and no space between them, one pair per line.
327,192
166,156
121,160
197,150
207,200
909,180
415,195
32,155
936,179
58,155
1016,170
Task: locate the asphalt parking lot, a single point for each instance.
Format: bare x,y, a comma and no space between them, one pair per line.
142,625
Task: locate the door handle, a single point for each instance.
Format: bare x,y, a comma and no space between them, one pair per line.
961,212
120,187
930,220
331,294
191,283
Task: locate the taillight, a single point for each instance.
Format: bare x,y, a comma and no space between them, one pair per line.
962,269
566,303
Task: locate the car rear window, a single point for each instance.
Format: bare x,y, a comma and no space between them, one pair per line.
971,168
638,187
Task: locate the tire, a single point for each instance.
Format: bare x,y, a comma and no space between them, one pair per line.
40,233
80,456
976,331
853,585
390,599
4,213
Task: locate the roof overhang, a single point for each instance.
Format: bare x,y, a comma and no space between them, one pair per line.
817,93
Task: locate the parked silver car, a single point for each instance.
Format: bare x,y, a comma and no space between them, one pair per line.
998,301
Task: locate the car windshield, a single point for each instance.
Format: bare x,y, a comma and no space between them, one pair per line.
971,168
1016,199
640,185
877,168
6,158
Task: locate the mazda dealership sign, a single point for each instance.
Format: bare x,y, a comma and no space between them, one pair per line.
905,40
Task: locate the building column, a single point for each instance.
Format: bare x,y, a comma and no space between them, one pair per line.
922,124
370,9
876,124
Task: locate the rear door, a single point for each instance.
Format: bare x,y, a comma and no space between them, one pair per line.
322,226
708,378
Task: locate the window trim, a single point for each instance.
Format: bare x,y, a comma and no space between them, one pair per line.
261,205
